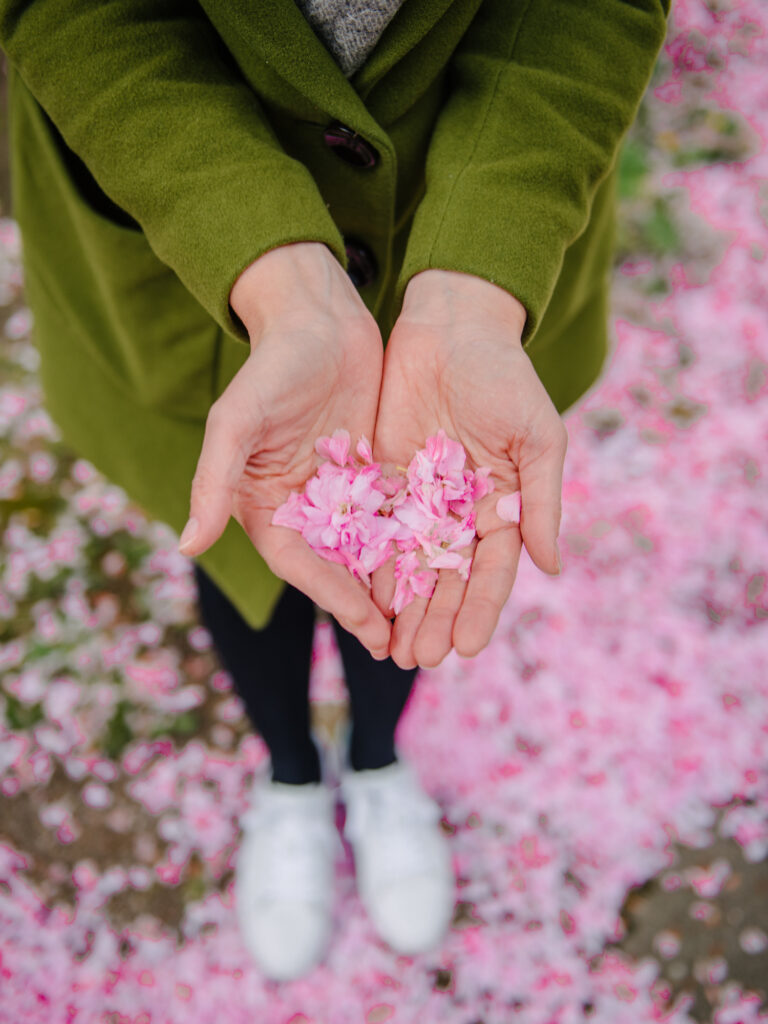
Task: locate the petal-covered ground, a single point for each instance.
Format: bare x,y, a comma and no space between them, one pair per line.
621,710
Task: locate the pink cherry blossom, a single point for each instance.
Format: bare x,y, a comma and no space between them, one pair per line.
338,513
354,514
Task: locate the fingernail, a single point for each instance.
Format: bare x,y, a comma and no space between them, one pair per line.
559,559
188,534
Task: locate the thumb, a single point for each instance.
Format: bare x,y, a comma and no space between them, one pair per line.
219,469
541,484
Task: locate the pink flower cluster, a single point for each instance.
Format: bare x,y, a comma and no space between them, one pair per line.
353,513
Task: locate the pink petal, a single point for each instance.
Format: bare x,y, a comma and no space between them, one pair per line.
508,507
465,568
447,560
406,565
447,455
403,595
335,447
423,583
330,555
364,450
483,484
394,486
411,580
292,512
414,515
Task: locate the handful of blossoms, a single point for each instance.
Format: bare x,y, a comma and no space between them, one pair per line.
354,513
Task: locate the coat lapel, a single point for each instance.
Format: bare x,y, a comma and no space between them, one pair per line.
281,36
408,27
278,32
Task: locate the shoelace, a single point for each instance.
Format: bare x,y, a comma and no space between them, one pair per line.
295,844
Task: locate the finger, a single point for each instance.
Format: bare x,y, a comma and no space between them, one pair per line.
329,585
219,469
541,485
383,587
493,572
434,638
404,631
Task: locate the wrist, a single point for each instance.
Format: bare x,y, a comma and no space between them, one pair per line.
447,296
292,286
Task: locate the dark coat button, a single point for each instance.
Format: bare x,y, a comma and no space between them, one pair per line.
361,268
349,146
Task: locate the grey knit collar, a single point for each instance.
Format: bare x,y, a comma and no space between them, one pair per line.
349,28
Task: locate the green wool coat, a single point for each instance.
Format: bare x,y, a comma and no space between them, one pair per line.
160,146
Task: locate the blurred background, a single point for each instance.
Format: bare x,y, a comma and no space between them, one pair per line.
602,767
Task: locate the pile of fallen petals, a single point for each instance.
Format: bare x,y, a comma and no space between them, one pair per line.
355,513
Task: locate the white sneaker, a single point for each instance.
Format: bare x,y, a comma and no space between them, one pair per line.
284,876
402,859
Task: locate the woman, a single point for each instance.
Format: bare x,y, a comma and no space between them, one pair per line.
221,225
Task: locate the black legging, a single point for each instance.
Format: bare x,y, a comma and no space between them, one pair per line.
270,670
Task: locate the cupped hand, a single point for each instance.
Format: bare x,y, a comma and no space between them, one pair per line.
314,367
455,361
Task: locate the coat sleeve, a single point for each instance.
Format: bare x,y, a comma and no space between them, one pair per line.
143,92
541,94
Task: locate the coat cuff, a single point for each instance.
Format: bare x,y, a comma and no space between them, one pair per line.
212,240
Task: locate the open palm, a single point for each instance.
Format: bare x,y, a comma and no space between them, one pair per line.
306,376
454,361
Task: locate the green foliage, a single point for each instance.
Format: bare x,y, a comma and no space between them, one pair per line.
118,732
47,506
660,231
20,716
194,889
702,155
37,650
633,169
133,549
180,726
41,590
